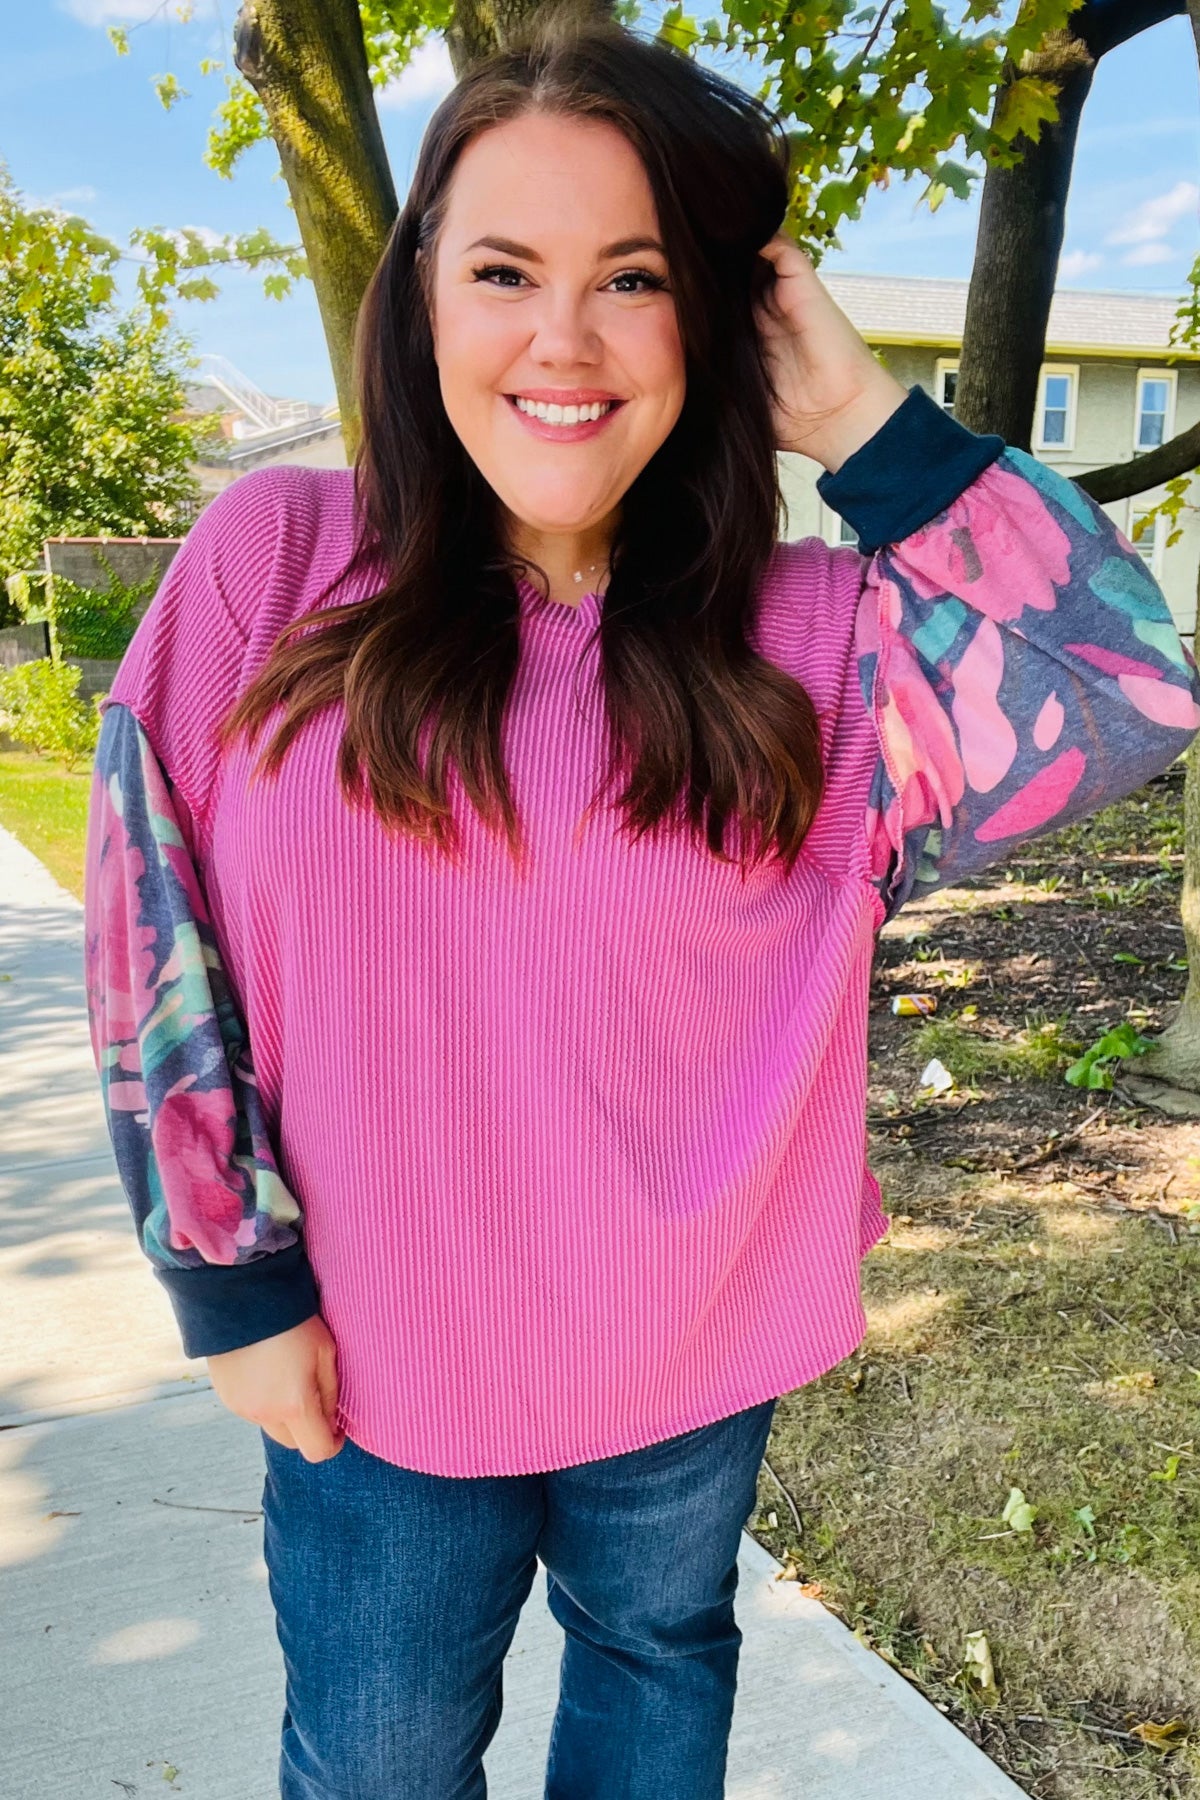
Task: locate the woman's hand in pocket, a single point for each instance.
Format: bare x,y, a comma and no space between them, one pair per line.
287,1385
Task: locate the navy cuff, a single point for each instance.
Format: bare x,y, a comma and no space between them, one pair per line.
917,463
220,1306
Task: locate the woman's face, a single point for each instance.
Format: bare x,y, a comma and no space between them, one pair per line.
549,287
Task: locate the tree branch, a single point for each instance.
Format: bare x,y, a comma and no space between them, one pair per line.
1118,481
1105,24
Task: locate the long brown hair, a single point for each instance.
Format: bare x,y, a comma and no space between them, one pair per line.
700,723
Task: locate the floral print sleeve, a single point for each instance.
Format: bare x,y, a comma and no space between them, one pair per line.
1018,660
213,1215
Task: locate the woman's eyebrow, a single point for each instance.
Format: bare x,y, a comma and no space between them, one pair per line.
623,247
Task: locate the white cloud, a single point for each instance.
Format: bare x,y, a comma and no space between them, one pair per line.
1154,218
1077,262
428,76
64,201
1149,253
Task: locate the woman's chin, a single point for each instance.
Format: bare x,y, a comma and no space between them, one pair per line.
545,519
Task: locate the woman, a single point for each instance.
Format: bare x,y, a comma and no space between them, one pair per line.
503,1151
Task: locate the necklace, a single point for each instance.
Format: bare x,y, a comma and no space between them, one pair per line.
591,569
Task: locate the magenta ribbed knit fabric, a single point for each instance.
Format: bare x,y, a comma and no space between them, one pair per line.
580,1153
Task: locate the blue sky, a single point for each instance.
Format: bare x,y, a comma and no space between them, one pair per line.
82,128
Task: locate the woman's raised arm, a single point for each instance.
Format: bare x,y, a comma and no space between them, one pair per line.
1018,661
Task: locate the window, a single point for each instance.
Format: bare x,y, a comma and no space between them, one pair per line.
945,380
1150,545
846,533
1056,407
1155,408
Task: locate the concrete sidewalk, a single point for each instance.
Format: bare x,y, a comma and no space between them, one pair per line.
138,1631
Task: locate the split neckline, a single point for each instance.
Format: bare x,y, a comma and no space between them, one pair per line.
559,614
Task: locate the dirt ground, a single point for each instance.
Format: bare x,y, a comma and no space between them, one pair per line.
999,1491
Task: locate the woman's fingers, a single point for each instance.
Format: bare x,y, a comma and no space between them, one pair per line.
290,1380
327,1388
315,1438
281,1435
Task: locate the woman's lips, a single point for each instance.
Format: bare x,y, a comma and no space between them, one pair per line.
562,434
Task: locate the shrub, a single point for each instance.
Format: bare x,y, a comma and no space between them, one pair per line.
96,622
40,708
26,590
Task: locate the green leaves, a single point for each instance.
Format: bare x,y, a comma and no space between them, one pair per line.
1024,107
96,622
677,29
169,91
843,78
1094,1068
168,254
949,178
1018,1514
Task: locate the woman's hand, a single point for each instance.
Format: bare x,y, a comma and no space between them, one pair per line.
287,1384
832,392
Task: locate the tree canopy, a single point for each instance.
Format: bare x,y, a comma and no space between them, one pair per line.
91,440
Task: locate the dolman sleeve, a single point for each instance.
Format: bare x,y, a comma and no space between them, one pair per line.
1017,663
222,1231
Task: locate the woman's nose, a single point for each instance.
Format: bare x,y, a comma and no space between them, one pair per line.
565,331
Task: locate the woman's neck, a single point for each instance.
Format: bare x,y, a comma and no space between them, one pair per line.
576,563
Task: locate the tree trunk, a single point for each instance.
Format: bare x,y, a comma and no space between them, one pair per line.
1021,221
481,26
1175,1057
307,62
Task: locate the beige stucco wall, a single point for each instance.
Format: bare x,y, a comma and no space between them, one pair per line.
1104,433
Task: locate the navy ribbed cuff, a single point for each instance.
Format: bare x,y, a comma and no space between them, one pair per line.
221,1306
917,463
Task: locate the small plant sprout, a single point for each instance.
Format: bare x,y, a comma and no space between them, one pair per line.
1018,1514
1094,1068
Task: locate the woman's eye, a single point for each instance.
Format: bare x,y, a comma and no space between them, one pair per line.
650,281
491,269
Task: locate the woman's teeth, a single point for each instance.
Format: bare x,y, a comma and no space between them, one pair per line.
552,414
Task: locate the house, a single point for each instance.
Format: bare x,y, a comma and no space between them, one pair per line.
252,429
1109,389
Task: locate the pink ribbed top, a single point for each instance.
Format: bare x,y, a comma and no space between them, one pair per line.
580,1153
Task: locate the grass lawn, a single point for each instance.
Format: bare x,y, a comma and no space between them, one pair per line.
1034,1325
46,808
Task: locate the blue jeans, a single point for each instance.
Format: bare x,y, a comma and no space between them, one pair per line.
397,1594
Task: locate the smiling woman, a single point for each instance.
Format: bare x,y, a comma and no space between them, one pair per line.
566,245
521,345
507,1177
